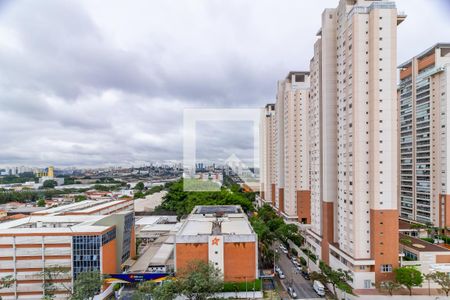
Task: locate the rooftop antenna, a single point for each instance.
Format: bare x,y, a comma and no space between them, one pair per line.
217,223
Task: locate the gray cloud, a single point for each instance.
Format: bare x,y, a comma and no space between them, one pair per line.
94,83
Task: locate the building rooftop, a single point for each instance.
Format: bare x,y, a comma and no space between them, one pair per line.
425,53
150,220
420,245
214,209
94,208
219,219
157,253
83,207
53,225
26,210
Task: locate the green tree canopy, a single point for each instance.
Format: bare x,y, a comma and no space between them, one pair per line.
139,186
49,275
138,195
443,279
6,282
337,278
182,202
167,290
79,198
409,277
87,285
49,184
41,203
389,286
199,280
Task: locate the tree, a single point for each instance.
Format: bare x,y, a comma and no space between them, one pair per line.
49,184
139,186
165,291
199,280
294,252
138,195
6,282
337,278
182,202
408,277
79,198
389,286
87,285
69,180
41,203
442,279
50,275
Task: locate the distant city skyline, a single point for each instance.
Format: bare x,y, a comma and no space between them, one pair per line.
89,85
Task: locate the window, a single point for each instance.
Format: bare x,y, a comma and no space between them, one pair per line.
299,78
86,252
386,268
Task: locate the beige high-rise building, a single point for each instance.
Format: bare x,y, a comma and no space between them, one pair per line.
292,148
268,154
424,143
353,141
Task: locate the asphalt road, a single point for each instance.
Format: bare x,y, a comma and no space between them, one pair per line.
302,287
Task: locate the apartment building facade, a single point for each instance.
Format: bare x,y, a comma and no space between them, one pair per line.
292,197
29,246
354,148
424,145
268,154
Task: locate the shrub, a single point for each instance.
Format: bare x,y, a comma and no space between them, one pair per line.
294,252
302,261
430,240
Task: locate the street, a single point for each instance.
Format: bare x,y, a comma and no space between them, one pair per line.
302,287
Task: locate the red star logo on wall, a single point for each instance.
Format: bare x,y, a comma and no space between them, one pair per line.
215,241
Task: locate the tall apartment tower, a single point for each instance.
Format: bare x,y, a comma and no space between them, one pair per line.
268,154
424,143
353,145
292,177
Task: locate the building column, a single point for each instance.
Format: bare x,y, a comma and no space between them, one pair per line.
327,229
384,241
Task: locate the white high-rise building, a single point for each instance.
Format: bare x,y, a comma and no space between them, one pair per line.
424,143
268,154
292,148
354,141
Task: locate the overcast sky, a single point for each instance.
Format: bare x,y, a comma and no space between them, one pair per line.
92,83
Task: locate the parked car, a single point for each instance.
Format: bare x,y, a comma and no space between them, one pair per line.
281,275
292,292
305,275
277,269
319,288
